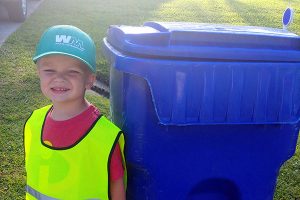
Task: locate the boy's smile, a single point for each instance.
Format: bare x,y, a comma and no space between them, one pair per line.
59,90
64,79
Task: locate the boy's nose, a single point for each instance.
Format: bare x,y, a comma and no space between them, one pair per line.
60,76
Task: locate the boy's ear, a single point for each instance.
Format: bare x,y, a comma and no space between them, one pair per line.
91,80
37,70
37,66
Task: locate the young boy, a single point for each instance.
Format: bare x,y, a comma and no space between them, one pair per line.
72,152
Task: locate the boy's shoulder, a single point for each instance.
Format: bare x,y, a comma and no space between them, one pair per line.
108,123
44,108
41,111
38,114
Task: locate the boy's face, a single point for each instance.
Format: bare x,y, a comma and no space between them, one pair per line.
63,78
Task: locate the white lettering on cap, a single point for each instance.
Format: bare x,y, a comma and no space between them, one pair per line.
70,41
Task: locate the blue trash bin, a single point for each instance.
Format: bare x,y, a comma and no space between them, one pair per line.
209,111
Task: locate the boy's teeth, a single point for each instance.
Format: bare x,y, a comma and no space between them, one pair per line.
60,89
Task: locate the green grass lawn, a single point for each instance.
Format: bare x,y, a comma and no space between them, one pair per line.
19,86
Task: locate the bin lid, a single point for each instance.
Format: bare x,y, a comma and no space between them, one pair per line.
212,74
200,41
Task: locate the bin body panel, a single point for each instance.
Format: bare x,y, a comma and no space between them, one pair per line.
219,92
213,129
192,162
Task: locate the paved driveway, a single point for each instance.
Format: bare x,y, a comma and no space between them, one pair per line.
7,27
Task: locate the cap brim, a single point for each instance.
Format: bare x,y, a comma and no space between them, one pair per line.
36,58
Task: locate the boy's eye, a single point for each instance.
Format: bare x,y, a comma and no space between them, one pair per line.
74,72
48,70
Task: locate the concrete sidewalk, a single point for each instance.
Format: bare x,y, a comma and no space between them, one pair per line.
7,27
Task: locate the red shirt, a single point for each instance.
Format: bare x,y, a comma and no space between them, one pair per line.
65,133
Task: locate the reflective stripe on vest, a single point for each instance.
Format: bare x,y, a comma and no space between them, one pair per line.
37,194
41,196
78,172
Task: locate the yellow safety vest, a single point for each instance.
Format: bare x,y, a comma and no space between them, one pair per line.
75,173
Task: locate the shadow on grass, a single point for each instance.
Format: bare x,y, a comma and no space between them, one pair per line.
206,11
256,15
